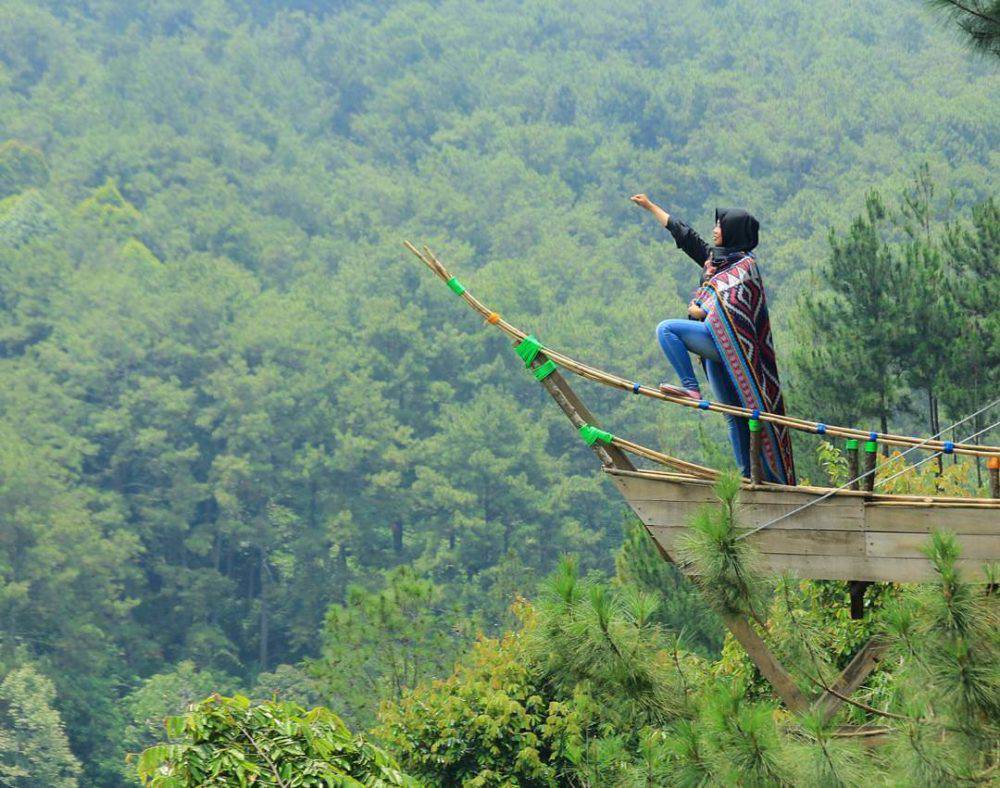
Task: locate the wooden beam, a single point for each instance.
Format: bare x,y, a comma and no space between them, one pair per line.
578,414
852,677
767,663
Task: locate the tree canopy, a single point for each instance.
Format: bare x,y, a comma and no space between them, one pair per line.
230,404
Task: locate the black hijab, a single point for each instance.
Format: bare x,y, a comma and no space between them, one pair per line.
739,231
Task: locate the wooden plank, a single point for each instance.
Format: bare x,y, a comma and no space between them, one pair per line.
816,518
851,677
803,489
923,520
883,570
784,542
819,542
837,567
643,489
898,545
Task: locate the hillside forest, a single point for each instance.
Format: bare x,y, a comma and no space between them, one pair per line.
255,459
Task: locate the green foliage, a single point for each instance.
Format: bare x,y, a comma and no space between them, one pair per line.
680,607
579,690
233,741
228,395
166,695
860,311
979,21
34,752
491,723
947,633
829,761
916,290
381,643
833,462
21,167
973,249
589,691
608,641
725,564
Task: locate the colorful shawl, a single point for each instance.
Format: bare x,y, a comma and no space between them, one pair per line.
737,318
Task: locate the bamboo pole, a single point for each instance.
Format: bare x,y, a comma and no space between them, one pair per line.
616,381
756,469
871,499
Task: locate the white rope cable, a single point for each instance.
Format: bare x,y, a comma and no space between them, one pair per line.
932,456
848,483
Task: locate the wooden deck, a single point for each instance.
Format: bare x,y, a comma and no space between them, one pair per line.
850,536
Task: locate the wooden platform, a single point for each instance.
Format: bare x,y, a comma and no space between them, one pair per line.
850,536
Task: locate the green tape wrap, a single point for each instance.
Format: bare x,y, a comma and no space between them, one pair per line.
871,447
591,435
851,444
456,286
545,370
528,349
754,425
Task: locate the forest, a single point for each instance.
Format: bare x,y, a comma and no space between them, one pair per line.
259,473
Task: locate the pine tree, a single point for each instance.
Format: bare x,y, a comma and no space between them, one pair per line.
972,369
926,303
383,642
979,21
34,751
853,332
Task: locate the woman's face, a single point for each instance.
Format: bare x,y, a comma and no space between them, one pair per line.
717,234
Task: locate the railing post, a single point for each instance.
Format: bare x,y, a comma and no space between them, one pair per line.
871,452
756,467
993,466
851,447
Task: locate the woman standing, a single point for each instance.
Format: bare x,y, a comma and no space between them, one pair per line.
728,327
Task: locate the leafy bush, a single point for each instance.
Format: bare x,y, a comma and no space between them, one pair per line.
232,741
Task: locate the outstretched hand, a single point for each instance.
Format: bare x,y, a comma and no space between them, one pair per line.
642,201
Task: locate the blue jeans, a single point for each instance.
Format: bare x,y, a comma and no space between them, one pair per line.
678,338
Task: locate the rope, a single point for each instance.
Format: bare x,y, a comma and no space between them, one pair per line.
815,501
608,379
938,453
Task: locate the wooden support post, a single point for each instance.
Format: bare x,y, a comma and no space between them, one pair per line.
871,452
852,677
767,663
856,588
756,467
993,466
851,447
578,413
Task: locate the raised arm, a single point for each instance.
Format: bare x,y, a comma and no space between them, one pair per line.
692,244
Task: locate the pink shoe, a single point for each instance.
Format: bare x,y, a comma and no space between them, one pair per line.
677,391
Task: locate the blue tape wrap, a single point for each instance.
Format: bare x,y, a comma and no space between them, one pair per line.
821,429
949,447
703,404
635,388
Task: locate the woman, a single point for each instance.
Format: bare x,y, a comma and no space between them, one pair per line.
728,328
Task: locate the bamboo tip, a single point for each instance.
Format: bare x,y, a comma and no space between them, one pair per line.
993,463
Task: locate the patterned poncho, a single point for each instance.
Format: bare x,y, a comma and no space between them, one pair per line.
734,300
